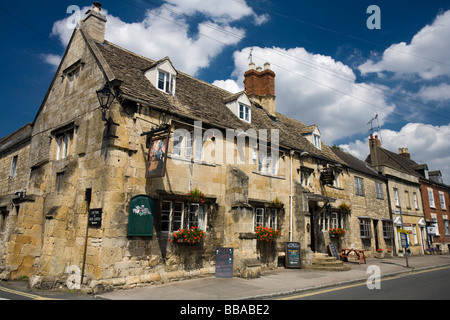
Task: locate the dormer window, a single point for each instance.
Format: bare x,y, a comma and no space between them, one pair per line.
163,76
244,112
312,133
317,142
239,104
166,82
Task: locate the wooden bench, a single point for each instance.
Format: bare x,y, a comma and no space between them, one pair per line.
352,253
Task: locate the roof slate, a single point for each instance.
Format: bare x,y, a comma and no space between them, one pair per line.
200,100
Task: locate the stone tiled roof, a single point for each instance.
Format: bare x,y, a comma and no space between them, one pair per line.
197,99
15,138
356,164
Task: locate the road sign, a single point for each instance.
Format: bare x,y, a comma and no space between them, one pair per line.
403,231
404,240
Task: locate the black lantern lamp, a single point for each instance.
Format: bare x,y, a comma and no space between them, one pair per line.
105,98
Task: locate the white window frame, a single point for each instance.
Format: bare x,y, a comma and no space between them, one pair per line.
267,164
446,227
317,141
13,169
414,231
244,112
359,186
396,198
379,190
63,146
171,213
197,216
416,204
304,178
265,217
165,81
431,198
442,200
182,147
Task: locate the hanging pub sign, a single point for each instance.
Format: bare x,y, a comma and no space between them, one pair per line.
157,157
327,177
140,218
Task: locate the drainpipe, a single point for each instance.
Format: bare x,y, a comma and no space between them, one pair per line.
292,152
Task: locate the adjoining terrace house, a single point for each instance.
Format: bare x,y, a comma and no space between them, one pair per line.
435,201
405,196
132,161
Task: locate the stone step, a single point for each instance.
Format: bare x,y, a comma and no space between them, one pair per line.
322,261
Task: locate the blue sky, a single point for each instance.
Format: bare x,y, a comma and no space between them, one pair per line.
332,70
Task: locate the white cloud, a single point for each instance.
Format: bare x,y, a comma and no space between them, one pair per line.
167,31
426,144
52,59
218,10
229,85
435,93
315,89
426,55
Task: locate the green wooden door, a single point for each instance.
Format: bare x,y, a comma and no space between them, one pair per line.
140,219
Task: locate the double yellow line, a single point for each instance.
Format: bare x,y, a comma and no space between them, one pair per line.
358,284
25,294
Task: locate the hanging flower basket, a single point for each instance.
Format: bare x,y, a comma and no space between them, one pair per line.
337,232
345,208
267,234
188,236
196,196
277,203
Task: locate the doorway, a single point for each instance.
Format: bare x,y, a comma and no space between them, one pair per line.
312,229
375,231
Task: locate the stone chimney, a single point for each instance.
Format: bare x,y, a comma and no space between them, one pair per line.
374,144
95,23
404,152
260,86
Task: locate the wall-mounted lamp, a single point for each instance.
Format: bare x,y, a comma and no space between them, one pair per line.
105,98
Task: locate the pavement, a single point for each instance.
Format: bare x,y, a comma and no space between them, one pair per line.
276,283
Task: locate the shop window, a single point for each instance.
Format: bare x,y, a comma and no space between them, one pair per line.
173,217
365,228
388,229
331,220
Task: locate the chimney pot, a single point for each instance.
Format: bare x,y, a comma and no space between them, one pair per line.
95,23
97,6
267,66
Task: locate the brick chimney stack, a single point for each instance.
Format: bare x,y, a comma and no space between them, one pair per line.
95,23
260,86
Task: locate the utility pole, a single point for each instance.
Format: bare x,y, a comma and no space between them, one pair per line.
406,239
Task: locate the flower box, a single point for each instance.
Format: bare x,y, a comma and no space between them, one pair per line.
336,232
267,234
188,236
